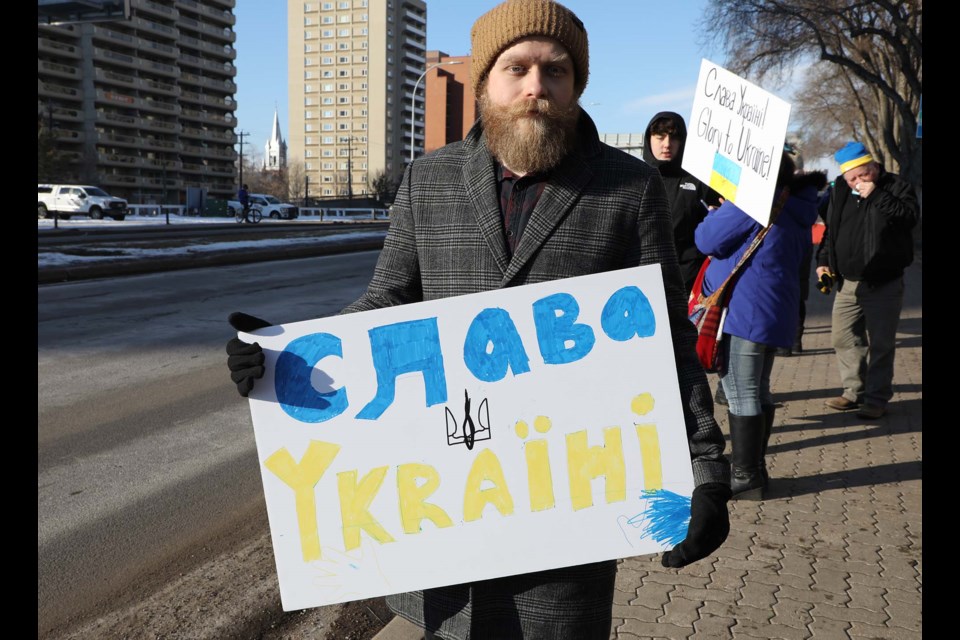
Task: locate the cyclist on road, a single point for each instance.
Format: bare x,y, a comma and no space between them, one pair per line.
244,199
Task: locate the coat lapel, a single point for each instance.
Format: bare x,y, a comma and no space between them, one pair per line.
563,190
481,183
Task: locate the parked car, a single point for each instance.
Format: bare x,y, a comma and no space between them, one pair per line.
270,207
67,200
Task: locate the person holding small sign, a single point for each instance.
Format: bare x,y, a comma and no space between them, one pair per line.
866,246
532,195
762,314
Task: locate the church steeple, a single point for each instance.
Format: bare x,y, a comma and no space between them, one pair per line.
275,151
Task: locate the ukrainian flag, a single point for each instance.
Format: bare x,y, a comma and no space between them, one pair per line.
725,177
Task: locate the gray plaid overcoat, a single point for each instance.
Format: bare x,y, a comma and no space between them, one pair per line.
601,210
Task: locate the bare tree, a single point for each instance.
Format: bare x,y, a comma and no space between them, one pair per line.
871,54
297,181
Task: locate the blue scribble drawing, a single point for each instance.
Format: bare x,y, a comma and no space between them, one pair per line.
665,519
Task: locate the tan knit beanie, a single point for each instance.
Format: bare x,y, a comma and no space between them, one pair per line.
509,21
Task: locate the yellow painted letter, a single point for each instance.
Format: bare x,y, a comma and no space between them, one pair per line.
585,463
486,466
650,454
413,506
355,499
539,477
302,477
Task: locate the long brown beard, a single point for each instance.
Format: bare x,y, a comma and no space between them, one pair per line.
526,143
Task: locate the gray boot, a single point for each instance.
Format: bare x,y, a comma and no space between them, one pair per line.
769,412
748,436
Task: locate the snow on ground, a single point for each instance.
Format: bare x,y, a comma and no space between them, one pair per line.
112,251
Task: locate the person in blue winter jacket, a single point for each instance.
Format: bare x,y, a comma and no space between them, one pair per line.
762,315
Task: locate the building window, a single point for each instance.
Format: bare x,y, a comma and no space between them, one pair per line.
328,166
327,140
327,73
343,86
343,73
328,87
326,33
327,126
328,101
327,46
326,60
343,100
327,20
343,126
328,114
344,33
328,153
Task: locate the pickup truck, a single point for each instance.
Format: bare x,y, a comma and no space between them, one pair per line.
67,200
270,207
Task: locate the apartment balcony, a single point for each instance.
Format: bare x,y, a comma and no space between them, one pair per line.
159,48
56,48
221,137
415,52
217,84
68,136
159,106
226,104
115,139
160,126
224,51
115,78
108,180
108,56
157,9
215,152
410,28
416,17
56,91
155,86
112,36
413,47
214,119
118,160
160,68
65,114
57,70
162,31
219,33
114,119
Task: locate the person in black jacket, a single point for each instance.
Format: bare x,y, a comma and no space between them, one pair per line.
689,199
866,246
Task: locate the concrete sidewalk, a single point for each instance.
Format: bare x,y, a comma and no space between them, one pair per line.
835,550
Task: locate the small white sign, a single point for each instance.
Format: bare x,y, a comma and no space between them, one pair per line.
469,438
735,139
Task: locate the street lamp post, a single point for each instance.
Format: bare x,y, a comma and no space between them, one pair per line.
413,102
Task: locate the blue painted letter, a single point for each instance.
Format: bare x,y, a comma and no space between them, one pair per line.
628,313
494,328
554,331
296,395
401,348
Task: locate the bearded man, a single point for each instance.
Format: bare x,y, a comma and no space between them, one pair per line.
532,195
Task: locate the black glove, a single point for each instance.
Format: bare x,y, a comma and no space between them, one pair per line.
245,360
709,526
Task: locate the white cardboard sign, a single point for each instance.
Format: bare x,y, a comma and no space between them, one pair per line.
735,139
474,437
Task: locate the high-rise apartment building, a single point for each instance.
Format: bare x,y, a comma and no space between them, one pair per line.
143,108
353,67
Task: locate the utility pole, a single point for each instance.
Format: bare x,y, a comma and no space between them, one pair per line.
349,140
241,134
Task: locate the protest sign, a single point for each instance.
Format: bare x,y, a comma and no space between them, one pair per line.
735,139
474,437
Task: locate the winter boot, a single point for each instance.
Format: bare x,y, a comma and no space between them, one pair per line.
769,412
748,436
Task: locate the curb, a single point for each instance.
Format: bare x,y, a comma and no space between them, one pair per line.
116,268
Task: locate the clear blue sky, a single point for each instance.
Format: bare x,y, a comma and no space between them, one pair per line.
644,58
